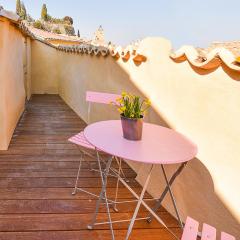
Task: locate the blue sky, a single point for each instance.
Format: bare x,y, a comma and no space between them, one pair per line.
182,21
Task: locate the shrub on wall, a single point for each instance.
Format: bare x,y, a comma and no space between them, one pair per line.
38,24
56,30
68,20
69,30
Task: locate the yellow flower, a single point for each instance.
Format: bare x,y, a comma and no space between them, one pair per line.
124,94
123,108
148,102
237,59
120,100
120,110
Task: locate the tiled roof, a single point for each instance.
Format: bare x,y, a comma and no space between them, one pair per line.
79,46
209,58
233,46
86,47
53,36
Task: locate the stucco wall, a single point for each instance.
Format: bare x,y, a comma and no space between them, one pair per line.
44,72
200,104
12,93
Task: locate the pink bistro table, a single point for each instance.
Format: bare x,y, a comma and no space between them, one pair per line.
159,145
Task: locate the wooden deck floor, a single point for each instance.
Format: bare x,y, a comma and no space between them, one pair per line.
37,174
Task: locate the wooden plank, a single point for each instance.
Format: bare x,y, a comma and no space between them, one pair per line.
138,234
85,173
71,222
59,193
63,206
57,182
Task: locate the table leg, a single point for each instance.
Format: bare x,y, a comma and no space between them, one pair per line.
172,197
102,196
139,203
172,179
119,161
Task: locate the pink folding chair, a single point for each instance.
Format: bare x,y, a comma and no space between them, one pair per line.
84,146
190,231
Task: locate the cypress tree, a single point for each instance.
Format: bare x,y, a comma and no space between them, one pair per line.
23,11
44,12
18,7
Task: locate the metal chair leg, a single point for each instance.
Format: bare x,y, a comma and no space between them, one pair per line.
102,196
79,170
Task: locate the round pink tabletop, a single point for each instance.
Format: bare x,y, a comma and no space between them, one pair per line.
159,145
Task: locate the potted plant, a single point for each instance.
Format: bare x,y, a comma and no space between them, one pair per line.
132,110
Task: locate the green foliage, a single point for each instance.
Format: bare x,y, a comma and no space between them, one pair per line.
29,18
69,30
18,7
38,24
56,20
131,106
49,18
44,14
23,13
56,30
68,20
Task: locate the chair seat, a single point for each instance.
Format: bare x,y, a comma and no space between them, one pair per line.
190,231
80,140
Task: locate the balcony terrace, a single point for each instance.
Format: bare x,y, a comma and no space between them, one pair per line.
38,173
43,85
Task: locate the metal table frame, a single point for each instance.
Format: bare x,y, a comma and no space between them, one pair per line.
140,199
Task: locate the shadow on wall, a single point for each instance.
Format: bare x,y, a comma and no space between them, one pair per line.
194,189
196,196
157,78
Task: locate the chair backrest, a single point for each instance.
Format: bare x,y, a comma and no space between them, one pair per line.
190,231
100,97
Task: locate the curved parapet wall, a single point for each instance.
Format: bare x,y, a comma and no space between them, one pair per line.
201,106
208,61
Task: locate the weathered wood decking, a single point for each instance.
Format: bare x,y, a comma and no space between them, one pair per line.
37,174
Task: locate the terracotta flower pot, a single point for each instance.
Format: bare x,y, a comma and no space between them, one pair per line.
132,128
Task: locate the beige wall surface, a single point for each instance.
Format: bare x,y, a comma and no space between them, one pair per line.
44,69
28,73
12,93
203,105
